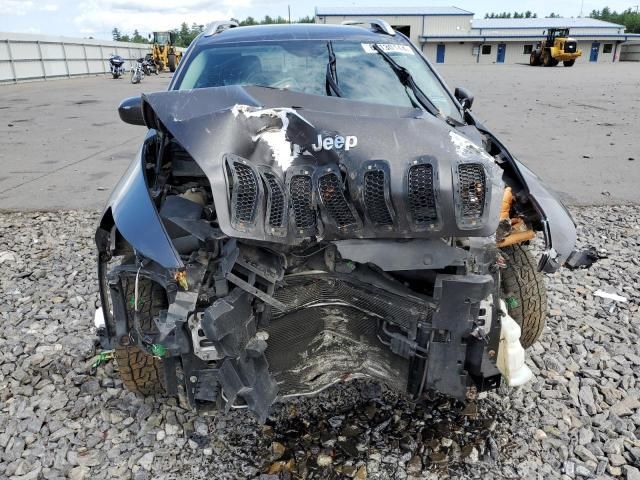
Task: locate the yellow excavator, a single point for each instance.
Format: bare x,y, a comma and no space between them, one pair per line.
557,47
165,53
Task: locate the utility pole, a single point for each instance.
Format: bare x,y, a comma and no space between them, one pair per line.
289,8
581,8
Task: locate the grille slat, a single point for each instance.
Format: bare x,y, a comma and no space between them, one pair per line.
374,198
332,195
300,190
244,193
422,199
471,190
276,201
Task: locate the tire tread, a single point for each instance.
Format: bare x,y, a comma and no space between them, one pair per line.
140,372
522,281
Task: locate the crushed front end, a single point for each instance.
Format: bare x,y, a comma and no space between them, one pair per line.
293,248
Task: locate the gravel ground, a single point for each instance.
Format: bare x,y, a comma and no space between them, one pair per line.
580,417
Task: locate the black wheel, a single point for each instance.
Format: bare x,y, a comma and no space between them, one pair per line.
534,59
115,75
569,63
524,292
546,59
171,60
140,372
554,62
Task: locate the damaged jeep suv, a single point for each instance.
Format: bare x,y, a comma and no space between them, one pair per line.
311,204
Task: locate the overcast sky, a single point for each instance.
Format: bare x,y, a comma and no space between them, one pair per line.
83,18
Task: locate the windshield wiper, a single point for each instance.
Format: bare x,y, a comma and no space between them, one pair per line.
407,80
331,78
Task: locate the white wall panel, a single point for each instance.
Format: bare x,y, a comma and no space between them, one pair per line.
55,68
52,50
5,72
42,56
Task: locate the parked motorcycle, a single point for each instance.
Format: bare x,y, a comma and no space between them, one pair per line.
149,65
137,72
116,65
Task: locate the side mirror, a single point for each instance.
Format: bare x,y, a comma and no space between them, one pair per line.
130,111
465,97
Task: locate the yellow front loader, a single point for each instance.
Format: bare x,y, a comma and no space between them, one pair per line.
165,53
557,47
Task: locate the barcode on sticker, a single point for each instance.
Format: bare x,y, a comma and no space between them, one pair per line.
388,47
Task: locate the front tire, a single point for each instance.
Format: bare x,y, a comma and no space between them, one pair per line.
534,59
171,60
140,372
525,293
546,59
569,63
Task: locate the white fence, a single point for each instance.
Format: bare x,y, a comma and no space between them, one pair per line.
26,57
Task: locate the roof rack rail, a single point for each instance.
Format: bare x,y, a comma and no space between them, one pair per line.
217,27
378,25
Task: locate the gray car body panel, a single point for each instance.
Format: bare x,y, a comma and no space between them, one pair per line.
212,123
137,219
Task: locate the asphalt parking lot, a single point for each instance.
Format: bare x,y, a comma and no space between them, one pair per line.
64,146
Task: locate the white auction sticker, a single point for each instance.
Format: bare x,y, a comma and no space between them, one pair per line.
388,47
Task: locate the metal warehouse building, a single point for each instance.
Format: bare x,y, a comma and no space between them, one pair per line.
452,35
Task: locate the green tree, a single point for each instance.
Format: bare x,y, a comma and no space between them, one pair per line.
137,38
527,14
629,18
184,35
115,33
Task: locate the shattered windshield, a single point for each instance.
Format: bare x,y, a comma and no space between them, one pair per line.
301,66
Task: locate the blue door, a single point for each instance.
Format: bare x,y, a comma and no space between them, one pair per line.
502,48
440,54
595,47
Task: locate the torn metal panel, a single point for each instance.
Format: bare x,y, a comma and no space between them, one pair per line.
393,255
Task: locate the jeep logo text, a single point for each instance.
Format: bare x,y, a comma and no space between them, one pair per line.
338,142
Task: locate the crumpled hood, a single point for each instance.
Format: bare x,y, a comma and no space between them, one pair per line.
194,118
283,136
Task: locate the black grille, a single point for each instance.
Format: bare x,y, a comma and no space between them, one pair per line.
300,193
276,201
471,189
570,47
374,198
303,291
332,195
245,193
422,199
